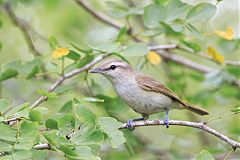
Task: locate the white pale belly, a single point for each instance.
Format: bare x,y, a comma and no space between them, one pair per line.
144,101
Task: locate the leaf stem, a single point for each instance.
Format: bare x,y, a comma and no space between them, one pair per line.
219,117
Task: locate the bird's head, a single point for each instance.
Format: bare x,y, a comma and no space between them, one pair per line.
114,69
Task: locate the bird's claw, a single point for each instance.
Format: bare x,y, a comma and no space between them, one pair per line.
130,125
166,123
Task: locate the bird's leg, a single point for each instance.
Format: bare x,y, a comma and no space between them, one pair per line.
130,121
166,119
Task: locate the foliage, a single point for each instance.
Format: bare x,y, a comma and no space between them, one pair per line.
82,117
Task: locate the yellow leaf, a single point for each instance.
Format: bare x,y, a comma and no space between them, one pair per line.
228,34
215,55
154,58
60,52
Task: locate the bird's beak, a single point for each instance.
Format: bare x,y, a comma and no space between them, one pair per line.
96,70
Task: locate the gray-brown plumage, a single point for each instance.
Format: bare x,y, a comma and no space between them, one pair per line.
142,93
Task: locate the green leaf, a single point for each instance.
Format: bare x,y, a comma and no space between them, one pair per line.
236,110
92,99
201,12
42,110
51,123
53,42
137,49
5,147
34,71
7,133
86,51
39,155
35,116
73,55
122,32
84,114
196,47
153,14
194,31
7,74
67,107
176,9
88,136
46,93
24,145
4,106
80,152
204,155
106,47
110,126
21,155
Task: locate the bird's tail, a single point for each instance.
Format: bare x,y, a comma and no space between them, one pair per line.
197,110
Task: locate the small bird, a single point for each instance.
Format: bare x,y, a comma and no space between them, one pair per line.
142,93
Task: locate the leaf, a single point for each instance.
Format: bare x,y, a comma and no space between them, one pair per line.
86,51
88,136
84,114
196,47
80,152
73,55
23,145
35,116
46,93
51,123
204,155
7,133
123,31
5,147
67,107
154,58
53,43
229,34
153,14
106,47
201,12
92,99
39,155
4,106
215,55
236,110
42,110
60,52
7,74
21,155
137,49
34,71
110,126
176,9
194,31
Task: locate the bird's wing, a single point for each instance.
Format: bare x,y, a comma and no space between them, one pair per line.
149,84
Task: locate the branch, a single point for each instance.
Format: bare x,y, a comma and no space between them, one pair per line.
67,76
107,20
23,26
200,126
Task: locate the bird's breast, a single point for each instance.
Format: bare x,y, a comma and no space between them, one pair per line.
143,101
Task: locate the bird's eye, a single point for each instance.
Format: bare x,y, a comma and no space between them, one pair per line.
112,67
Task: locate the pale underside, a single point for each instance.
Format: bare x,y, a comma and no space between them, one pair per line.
143,99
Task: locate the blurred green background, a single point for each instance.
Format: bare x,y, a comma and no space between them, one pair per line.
70,23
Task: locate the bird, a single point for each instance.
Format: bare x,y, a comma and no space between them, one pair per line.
141,92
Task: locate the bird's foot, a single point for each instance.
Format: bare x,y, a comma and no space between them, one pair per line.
166,119
166,123
130,125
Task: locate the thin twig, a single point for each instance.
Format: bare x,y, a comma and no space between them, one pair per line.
219,117
229,154
200,126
